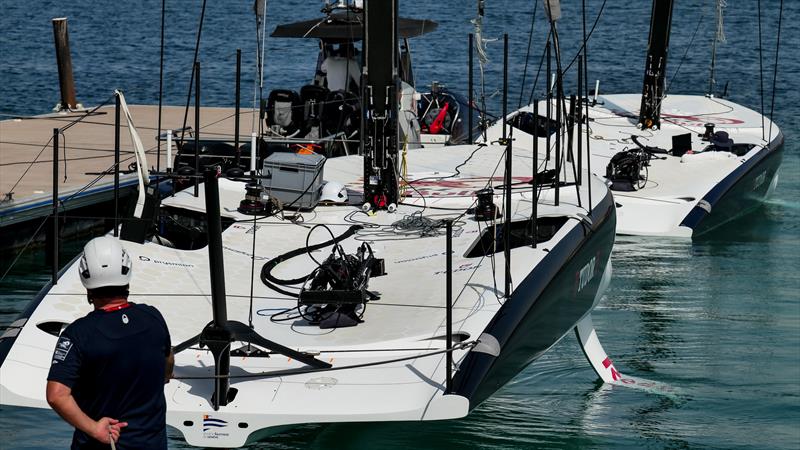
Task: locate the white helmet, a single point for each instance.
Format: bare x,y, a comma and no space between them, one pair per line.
105,263
333,192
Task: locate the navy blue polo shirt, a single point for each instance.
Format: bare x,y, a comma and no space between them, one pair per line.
114,362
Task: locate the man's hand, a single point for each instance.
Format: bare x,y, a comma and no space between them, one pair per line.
107,429
60,398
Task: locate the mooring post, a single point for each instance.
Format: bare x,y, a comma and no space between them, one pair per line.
449,307
64,61
471,101
54,251
197,128
236,120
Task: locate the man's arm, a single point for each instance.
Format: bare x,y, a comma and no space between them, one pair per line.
60,398
169,366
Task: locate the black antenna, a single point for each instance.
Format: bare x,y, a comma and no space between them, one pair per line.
218,335
237,101
196,126
469,88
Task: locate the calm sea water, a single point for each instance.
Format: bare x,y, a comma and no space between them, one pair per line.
717,318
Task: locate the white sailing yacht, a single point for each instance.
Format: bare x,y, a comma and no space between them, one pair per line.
430,282
678,165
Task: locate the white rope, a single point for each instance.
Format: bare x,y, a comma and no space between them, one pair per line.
721,5
141,158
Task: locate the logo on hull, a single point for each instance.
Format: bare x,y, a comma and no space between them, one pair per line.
212,427
586,274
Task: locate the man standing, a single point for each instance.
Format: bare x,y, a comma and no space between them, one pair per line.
342,70
109,368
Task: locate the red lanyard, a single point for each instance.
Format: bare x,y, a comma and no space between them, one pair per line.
115,307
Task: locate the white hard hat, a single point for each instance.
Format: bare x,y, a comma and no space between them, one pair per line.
333,192
105,263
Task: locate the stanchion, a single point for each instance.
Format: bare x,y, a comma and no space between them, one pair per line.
449,306
54,241
197,127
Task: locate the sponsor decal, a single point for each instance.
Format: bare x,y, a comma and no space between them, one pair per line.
213,428
616,376
166,263
704,205
462,268
63,346
759,180
686,120
586,273
241,252
418,258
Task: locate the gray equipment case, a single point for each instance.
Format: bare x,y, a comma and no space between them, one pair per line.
294,179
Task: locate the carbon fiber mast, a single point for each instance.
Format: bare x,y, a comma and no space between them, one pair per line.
379,88
655,65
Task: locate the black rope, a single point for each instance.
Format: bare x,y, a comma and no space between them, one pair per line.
775,72
539,70
194,66
586,39
527,54
47,144
761,70
27,244
683,59
271,281
303,370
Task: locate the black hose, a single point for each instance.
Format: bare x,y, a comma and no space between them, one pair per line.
266,270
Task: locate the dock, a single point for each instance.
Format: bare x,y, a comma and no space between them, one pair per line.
86,160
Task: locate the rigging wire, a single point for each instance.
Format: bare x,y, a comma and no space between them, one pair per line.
261,62
527,54
775,72
761,70
586,39
194,67
719,36
301,371
61,130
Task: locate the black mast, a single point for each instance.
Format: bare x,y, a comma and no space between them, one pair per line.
379,87
655,65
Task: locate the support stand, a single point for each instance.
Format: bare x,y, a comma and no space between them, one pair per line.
221,332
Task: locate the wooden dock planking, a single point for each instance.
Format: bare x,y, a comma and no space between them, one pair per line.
89,147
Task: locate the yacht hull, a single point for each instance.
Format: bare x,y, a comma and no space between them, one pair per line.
742,191
542,309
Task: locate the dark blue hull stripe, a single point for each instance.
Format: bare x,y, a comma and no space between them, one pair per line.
731,196
543,308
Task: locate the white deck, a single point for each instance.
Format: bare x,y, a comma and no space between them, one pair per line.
408,320
676,184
